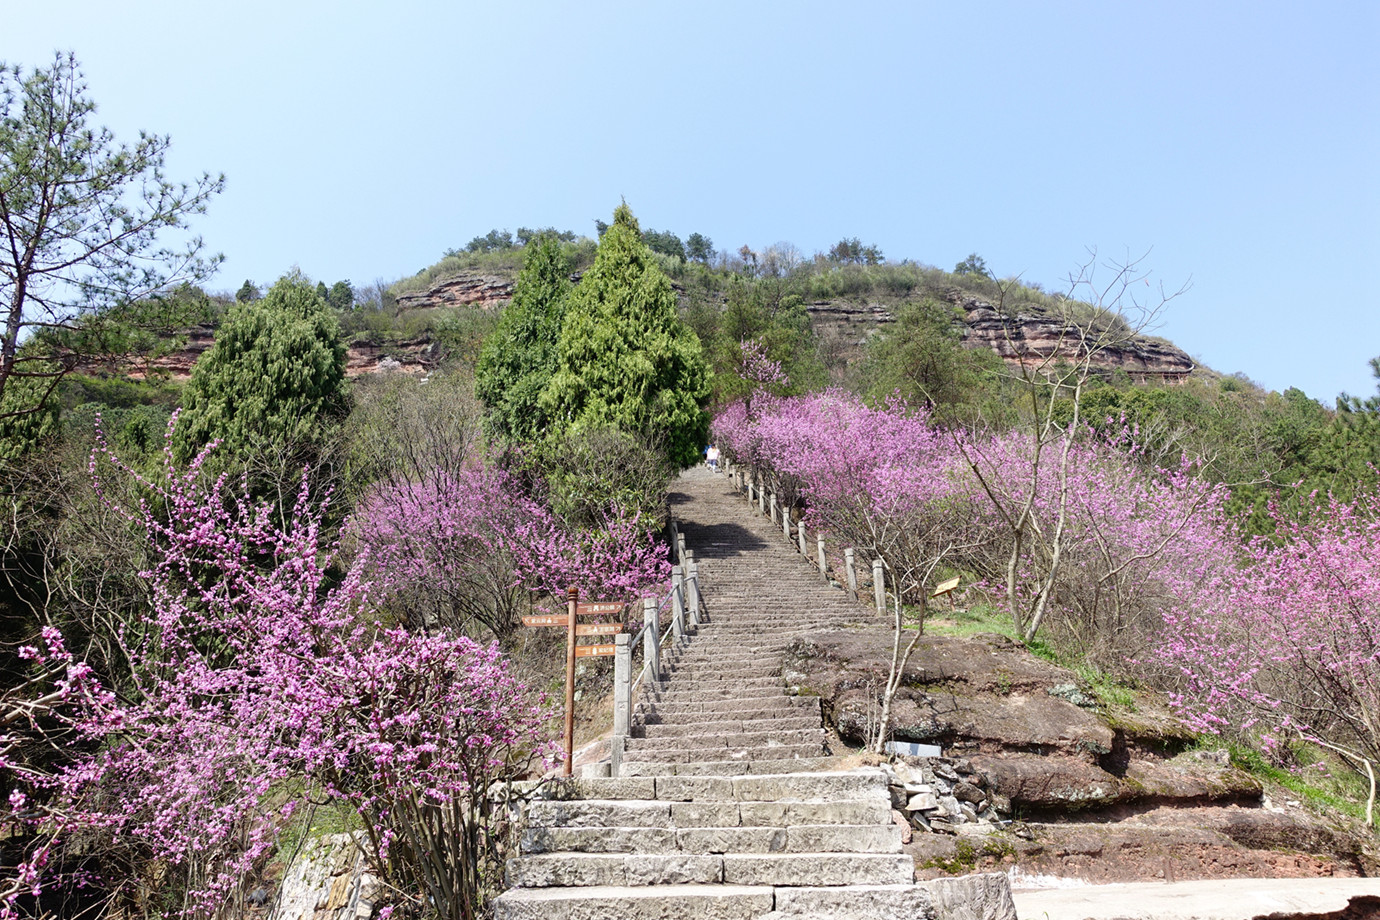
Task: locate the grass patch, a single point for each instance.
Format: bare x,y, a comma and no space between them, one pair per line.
1107,689
1338,787
970,621
966,855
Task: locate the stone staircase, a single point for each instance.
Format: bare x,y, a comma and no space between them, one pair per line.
725,808
721,703
726,847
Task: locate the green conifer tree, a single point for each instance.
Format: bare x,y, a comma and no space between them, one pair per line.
274,377
518,359
624,357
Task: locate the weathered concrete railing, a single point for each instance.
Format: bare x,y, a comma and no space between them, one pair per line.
684,606
753,485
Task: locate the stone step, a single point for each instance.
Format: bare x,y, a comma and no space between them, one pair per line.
725,694
715,669
764,868
614,813
710,684
784,707
659,902
742,755
721,768
676,737
726,726
777,786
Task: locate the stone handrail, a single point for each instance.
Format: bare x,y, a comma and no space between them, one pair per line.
684,602
754,488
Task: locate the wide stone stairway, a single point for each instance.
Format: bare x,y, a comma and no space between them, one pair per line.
722,701
726,808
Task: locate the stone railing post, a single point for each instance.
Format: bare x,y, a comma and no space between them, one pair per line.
653,644
878,586
823,559
852,570
773,507
751,496
762,499
675,542
678,601
786,521
622,700
680,549
693,579
800,538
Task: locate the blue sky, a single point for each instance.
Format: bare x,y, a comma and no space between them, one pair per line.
1236,143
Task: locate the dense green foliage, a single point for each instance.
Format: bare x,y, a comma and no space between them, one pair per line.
766,311
518,359
922,358
23,428
625,358
273,378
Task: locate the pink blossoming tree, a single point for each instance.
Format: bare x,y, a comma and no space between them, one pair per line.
261,682
1289,645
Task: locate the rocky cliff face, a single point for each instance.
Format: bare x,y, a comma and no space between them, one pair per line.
1028,334
1031,335
362,356
487,291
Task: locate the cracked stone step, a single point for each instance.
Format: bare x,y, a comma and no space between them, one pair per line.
709,710
816,869
727,694
721,768
728,726
741,755
670,741
658,714
815,825
659,902
753,686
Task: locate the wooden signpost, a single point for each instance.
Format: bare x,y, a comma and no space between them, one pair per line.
945,587
574,610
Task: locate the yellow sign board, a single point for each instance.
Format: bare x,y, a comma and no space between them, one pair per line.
945,587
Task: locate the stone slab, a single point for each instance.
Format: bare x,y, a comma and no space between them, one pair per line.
661,902
873,902
782,814
708,840
599,813
536,840
818,869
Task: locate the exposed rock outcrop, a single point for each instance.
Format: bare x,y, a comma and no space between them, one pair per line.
1034,334
1030,333
1104,793
486,291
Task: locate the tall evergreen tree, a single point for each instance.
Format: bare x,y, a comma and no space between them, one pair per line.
624,357
274,376
518,359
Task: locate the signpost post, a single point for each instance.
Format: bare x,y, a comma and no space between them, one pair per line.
573,610
572,596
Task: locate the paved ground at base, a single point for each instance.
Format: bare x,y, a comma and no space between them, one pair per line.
1221,899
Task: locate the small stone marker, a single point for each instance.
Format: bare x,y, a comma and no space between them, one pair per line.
913,749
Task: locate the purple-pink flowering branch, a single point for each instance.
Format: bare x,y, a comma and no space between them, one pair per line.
258,670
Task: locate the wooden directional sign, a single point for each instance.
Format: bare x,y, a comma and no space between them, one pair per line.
945,587
596,608
598,629
594,651
545,620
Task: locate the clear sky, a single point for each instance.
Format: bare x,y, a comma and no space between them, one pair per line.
1238,143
